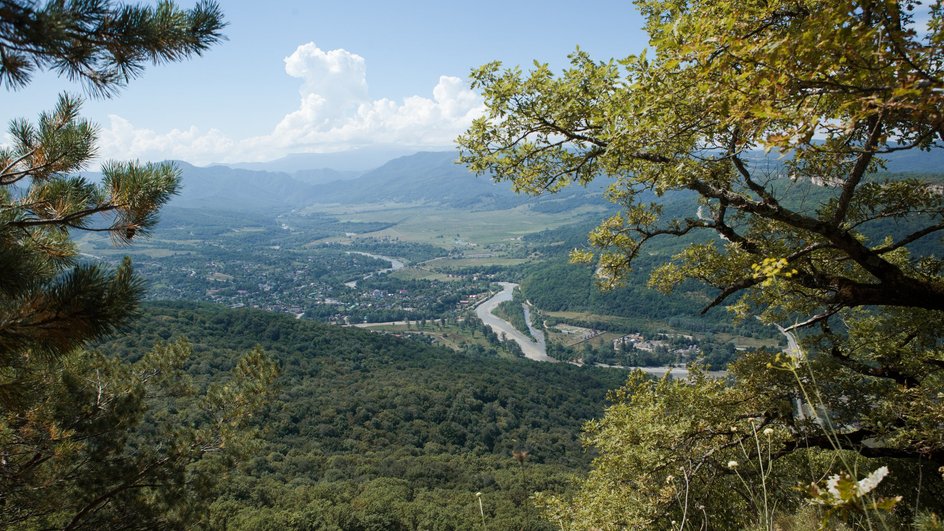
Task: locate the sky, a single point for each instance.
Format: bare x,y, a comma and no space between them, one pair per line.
321,76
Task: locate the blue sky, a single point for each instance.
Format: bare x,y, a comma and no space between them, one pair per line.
318,76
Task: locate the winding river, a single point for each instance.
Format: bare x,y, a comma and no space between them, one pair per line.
395,265
533,350
536,349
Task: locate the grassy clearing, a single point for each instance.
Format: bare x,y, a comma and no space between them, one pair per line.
446,264
156,252
101,246
575,336
410,273
749,342
191,243
626,323
453,228
150,252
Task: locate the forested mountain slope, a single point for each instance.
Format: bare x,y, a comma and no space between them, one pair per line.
373,430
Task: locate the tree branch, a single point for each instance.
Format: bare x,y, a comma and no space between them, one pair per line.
914,236
65,220
894,287
865,442
858,170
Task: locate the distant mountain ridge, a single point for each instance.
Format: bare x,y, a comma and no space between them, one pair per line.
358,160
424,177
224,188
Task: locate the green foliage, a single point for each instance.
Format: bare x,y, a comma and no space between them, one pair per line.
666,124
87,440
696,452
816,238
99,42
374,431
92,441
49,304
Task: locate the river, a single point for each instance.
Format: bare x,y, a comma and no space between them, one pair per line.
533,350
395,265
537,349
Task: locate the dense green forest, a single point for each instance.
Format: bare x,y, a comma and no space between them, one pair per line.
369,431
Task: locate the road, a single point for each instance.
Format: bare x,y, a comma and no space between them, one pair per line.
793,348
677,372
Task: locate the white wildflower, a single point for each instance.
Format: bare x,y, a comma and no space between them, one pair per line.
871,481
768,431
831,486
732,464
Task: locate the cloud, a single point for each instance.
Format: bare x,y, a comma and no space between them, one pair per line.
122,140
335,113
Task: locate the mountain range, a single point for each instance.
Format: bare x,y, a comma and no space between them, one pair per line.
424,177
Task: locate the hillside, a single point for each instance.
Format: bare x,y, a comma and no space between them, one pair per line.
355,160
224,188
425,177
372,431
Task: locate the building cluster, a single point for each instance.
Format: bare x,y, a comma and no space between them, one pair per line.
665,343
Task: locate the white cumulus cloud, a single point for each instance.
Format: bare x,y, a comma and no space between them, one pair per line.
122,140
335,112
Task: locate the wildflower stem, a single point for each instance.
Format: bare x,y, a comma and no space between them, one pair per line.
685,505
763,476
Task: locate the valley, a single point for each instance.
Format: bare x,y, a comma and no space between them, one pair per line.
404,265
686,273
424,344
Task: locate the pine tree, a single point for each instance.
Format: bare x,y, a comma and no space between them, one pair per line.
99,42
82,444
50,304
